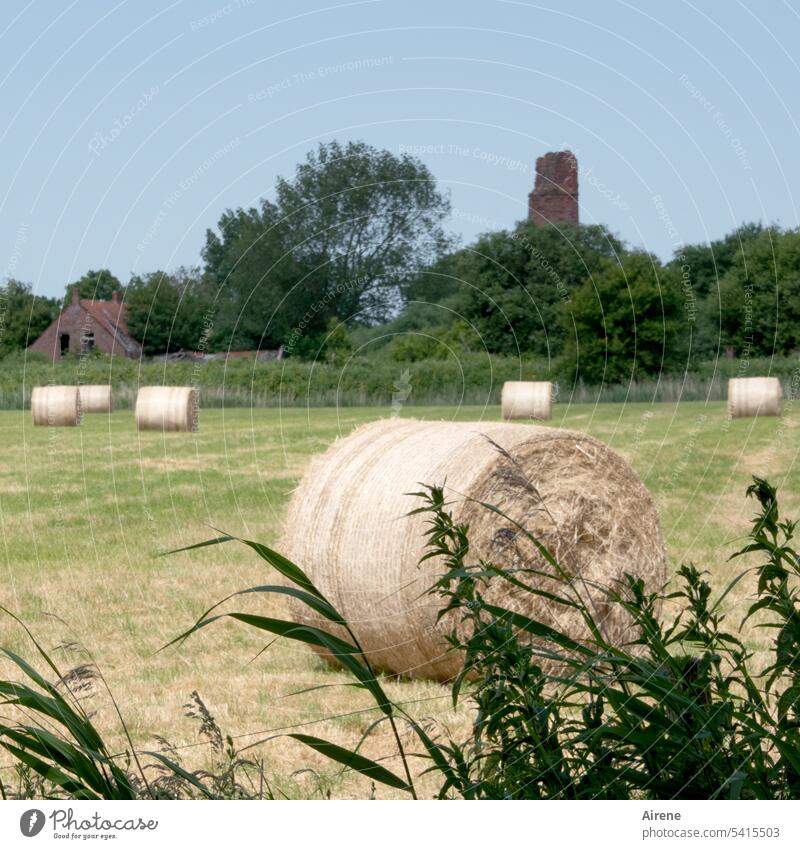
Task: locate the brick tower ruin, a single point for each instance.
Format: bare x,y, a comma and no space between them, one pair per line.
555,193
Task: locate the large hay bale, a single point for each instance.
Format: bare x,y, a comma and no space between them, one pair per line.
347,526
167,408
96,398
56,406
526,399
754,396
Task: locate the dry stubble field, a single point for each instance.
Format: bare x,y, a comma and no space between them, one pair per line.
84,513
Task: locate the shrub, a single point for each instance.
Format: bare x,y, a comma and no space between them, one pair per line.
676,712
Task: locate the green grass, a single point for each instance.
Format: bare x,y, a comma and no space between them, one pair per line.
83,513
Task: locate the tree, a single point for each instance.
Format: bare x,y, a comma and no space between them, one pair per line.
512,284
341,239
760,295
702,267
23,316
167,312
94,285
626,323
705,264
258,288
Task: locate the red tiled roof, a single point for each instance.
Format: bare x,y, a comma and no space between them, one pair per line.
111,314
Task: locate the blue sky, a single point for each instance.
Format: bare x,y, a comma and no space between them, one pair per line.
128,128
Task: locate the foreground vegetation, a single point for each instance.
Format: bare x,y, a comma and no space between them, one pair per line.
84,512
678,710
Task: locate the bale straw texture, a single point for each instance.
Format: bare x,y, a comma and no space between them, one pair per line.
526,399
754,396
56,406
167,408
347,526
96,398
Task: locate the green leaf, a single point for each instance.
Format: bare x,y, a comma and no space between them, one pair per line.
538,629
354,761
182,773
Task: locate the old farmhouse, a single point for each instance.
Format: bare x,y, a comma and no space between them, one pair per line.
87,325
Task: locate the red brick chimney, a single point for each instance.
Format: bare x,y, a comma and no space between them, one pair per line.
555,194
76,296
115,297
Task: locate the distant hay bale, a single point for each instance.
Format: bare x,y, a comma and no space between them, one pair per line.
348,527
96,398
56,406
526,399
167,408
754,396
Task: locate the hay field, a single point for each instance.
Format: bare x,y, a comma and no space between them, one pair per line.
84,512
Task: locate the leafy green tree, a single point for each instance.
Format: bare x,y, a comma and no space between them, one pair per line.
259,289
513,284
626,322
341,239
338,345
167,312
760,295
94,285
705,264
702,268
23,316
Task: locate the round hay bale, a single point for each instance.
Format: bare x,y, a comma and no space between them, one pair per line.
754,396
56,406
96,398
526,399
167,408
348,527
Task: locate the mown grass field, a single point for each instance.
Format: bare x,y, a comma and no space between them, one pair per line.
84,513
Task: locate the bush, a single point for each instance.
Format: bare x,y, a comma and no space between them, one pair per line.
677,712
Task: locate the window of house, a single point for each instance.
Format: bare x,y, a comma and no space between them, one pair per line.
87,342
64,342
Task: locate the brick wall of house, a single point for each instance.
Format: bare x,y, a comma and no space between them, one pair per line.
76,321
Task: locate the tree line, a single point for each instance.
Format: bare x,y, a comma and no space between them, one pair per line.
351,254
